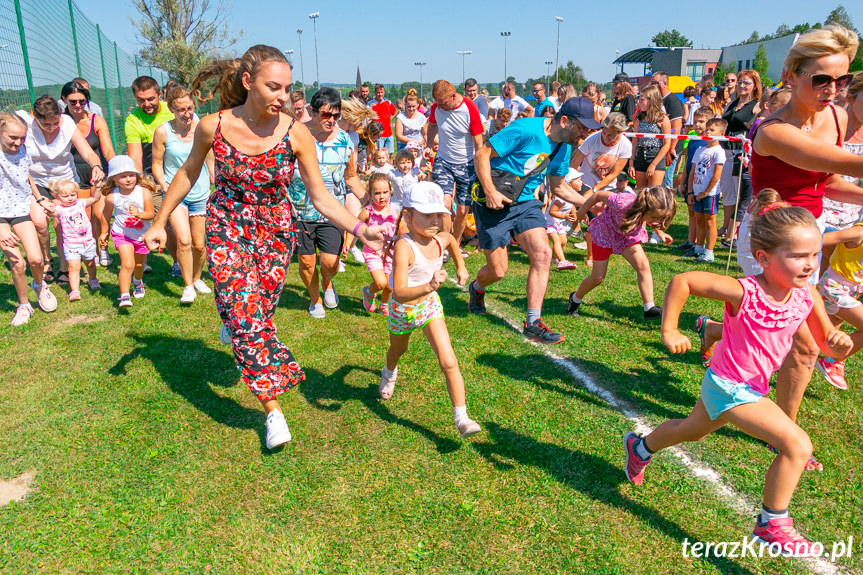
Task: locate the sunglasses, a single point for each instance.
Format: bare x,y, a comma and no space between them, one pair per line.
330,115
821,81
71,102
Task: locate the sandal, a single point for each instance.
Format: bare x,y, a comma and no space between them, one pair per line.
48,274
811,465
705,351
62,278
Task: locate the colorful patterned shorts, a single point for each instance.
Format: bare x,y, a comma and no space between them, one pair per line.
838,292
405,318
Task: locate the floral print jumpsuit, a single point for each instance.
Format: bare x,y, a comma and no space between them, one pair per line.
250,239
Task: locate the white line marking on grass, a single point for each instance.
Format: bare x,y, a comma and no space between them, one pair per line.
736,500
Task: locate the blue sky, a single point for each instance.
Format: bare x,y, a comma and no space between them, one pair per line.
387,46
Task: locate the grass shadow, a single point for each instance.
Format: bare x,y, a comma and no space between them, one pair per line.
330,392
587,474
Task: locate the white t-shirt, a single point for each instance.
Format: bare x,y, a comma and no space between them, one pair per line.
703,165
412,128
554,102
402,183
515,104
456,131
386,168
599,159
15,190
690,119
50,161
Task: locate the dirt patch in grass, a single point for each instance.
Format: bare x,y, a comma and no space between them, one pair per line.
17,489
80,319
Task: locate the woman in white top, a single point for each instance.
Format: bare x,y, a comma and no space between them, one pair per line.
411,126
50,138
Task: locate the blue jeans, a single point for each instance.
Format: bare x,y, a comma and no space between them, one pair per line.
386,143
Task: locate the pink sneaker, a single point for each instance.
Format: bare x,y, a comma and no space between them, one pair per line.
780,533
566,265
833,372
634,464
74,295
384,309
368,300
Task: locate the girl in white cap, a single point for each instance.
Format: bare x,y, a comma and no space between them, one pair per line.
415,304
129,198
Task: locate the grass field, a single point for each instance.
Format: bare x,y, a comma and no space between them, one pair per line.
148,452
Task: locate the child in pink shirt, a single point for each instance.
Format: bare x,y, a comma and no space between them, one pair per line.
77,233
762,313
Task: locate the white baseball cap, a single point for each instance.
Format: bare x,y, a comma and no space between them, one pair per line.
426,198
572,175
121,164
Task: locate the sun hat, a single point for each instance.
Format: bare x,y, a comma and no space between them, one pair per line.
426,198
121,164
414,145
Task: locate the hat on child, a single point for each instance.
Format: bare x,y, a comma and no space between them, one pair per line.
572,175
414,145
121,164
426,198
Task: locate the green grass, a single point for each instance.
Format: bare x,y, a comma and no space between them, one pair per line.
149,459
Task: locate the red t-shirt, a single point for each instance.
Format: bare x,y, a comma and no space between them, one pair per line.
385,111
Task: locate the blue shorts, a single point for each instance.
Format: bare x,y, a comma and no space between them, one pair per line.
495,228
709,205
719,394
458,176
196,208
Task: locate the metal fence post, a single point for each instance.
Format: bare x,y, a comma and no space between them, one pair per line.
74,38
107,88
137,72
119,81
24,51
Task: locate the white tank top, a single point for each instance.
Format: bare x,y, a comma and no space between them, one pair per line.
121,212
421,271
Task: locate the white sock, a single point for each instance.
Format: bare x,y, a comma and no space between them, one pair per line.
708,253
641,450
137,282
459,411
699,249
575,299
648,305
767,514
124,294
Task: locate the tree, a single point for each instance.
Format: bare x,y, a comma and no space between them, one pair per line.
761,65
671,39
752,38
181,36
840,16
572,74
721,71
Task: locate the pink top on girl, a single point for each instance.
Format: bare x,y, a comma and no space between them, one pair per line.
755,341
377,219
74,224
605,228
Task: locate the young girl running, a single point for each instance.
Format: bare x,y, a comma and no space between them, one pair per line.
17,194
379,213
762,313
415,304
129,198
620,229
77,232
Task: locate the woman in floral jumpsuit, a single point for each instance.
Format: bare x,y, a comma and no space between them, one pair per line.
250,220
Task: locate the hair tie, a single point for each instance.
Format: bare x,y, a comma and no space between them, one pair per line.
772,206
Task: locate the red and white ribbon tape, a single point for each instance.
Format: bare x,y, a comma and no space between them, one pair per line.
684,137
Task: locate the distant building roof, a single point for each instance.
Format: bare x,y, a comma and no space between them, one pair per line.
639,55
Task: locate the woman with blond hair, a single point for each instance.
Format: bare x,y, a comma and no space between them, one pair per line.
647,165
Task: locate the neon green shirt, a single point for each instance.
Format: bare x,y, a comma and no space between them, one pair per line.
140,128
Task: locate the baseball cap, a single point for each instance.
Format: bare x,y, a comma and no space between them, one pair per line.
572,175
426,198
582,110
121,164
621,77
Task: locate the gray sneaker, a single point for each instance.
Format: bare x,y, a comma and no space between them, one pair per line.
47,301
467,427
317,311
331,298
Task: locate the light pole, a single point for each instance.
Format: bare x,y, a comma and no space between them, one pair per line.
314,18
288,54
463,54
505,35
557,56
302,68
617,55
548,71
420,64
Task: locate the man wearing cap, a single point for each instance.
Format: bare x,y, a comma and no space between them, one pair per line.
623,102
539,146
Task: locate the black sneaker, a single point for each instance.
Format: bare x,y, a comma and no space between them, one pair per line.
571,306
653,313
690,252
476,302
539,333
684,246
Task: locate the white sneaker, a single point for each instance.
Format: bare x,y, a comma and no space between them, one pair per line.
201,287
138,290
579,245
147,269
22,314
331,298
47,301
189,294
125,300
357,254
654,238
341,266
104,258
277,429
388,382
317,311
225,335
467,427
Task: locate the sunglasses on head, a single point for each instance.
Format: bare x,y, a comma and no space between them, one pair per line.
330,115
821,81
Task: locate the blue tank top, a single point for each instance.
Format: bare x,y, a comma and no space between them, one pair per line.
176,152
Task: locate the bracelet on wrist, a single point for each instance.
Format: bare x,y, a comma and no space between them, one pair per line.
357,227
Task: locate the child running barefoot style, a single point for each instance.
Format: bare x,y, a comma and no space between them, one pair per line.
17,193
78,241
762,313
620,229
415,304
379,212
840,286
129,199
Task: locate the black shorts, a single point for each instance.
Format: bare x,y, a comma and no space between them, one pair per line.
314,236
46,193
644,156
15,220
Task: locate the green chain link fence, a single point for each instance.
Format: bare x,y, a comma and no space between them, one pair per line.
46,43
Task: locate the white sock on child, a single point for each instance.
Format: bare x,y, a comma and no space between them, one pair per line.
649,305
459,411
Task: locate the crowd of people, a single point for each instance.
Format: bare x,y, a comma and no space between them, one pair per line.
405,187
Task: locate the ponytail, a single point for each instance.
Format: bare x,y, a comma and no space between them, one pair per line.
232,93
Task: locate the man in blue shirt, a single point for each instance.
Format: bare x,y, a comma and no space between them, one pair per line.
539,94
518,149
